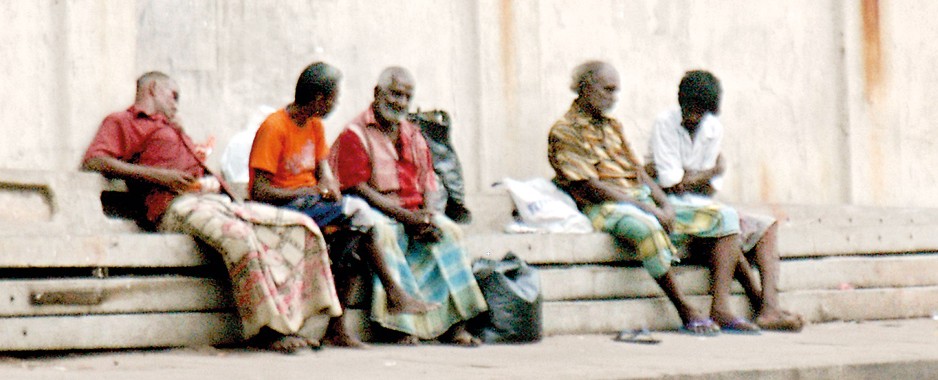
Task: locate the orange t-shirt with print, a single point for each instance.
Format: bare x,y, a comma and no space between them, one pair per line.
288,151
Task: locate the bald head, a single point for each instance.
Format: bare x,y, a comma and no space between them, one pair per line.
595,84
587,72
394,74
157,93
147,80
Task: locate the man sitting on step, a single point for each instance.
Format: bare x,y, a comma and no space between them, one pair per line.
381,157
595,164
276,258
685,160
289,168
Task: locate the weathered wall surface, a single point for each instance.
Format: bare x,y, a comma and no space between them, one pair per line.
825,102
64,63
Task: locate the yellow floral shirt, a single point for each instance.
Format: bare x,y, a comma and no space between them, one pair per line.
582,148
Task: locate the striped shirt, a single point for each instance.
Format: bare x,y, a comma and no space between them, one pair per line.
581,148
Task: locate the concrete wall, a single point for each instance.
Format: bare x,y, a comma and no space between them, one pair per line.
826,102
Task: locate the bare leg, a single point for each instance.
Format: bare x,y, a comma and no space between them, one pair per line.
749,283
337,334
399,302
724,260
769,314
690,316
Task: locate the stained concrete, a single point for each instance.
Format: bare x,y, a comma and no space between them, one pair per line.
825,102
870,350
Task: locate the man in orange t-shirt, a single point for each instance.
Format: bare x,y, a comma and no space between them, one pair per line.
289,167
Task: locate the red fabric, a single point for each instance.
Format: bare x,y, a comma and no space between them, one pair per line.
151,140
353,164
288,151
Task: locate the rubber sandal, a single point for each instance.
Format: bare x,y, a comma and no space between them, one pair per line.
639,336
739,325
690,327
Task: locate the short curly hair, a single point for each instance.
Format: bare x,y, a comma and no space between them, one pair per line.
700,90
318,78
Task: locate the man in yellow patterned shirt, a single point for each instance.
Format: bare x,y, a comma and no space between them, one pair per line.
596,165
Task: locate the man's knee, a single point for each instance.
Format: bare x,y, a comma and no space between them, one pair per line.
658,265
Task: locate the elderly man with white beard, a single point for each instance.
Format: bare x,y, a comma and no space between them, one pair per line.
382,158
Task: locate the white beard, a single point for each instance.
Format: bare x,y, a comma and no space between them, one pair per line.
391,115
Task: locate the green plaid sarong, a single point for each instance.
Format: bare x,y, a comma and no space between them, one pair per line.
647,241
435,273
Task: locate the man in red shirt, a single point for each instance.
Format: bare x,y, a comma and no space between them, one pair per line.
382,158
289,167
276,258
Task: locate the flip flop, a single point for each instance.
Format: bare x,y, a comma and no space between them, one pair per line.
690,327
641,336
740,326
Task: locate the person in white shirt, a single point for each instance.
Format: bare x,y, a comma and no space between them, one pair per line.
686,162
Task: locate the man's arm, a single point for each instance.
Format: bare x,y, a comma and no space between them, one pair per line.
669,170
175,180
328,183
699,181
571,162
596,191
419,223
263,190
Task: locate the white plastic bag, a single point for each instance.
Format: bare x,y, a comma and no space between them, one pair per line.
544,208
234,160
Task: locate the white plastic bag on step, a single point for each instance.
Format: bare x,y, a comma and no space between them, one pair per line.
543,207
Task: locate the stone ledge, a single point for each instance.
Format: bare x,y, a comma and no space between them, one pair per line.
581,317
585,282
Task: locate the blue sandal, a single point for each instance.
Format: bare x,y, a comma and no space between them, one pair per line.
740,325
693,326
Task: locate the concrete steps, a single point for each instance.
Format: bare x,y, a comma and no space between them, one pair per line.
838,263
67,269
656,313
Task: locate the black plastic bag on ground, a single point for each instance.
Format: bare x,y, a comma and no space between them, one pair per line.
512,290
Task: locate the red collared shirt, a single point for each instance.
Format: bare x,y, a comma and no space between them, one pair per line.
151,140
408,158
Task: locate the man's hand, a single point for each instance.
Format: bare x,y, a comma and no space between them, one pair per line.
327,183
720,166
420,226
329,193
177,181
666,216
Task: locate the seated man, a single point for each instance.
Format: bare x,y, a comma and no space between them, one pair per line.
289,167
686,161
275,289
595,163
382,158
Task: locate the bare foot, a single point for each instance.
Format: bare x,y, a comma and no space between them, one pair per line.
780,320
284,344
408,340
460,337
344,340
405,304
338,336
